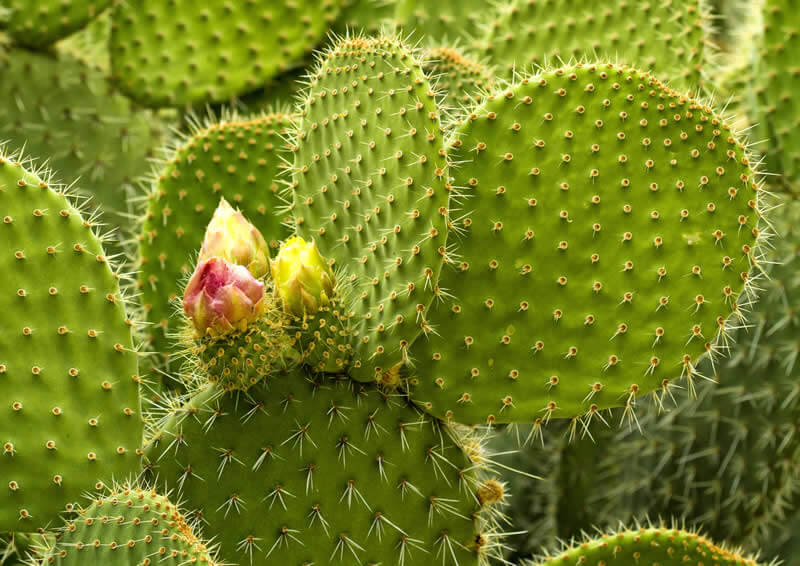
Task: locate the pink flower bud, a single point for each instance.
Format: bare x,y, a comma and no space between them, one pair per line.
222,297
231,237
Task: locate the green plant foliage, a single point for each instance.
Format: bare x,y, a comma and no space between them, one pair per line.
78,121
306,470
669,38
178,51
370,187
728,461
436,22
70,415
776,83
607,234
127,525
462,80
39,23
366,16
649,546
236,159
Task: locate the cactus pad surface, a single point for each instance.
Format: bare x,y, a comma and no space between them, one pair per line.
70,411
608,233
776,85
38,23
236,160
128,526
370,187
307,470
669,38
178,52
647,547
728,460
460,77
78,121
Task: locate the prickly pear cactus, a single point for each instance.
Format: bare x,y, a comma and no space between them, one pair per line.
544,32
614,227
179,52
17,549
128,525
370,187
443,21
83,126
326,471
728,461
776,84
365,16
70,417
39,23
463,79
649,546
238,160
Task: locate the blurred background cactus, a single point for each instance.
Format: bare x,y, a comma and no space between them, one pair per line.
399,282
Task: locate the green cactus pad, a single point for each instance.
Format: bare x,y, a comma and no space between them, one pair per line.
70,411
128,526
306,470
179,52
613,227
463,80
728,460
236,159
365,16
776,87
652,546
323,339
435,22
370,187
38,23
78,121
670,37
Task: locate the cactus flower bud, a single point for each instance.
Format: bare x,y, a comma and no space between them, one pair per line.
303,279
221,297
231,237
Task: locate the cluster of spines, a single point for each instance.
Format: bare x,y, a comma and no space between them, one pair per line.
323,339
